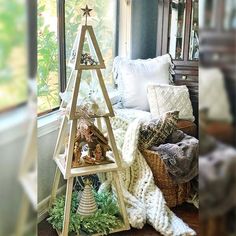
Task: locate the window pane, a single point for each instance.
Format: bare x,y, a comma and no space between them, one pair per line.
13,53
47,78
103,20
177,29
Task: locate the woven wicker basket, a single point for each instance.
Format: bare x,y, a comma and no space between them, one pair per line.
175,194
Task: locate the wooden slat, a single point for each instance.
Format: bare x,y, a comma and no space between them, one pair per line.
112,231
67,207
80,47
76,116
69,154
90,67
113,142
121,200
55,186
63,103
96,47
75,95
104,92
93,169
61,136
123,228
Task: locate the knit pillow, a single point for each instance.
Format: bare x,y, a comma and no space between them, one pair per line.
163,98
156,131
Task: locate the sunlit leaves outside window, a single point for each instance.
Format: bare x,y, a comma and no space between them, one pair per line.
47,76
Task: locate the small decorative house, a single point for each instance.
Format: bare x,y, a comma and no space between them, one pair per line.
90,144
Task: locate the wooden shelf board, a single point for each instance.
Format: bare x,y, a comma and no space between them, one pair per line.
99,234
115,231
75,117
90,67
85,170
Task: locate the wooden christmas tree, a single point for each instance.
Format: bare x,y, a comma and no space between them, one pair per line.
87,204
85,133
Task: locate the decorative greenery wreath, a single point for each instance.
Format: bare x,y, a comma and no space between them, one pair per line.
103,221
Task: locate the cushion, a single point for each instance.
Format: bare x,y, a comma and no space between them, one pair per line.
155,132
213,95
133,77
163,98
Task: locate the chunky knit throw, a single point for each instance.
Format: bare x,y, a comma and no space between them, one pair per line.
144,200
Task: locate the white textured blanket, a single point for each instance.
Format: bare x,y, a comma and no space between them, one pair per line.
144,200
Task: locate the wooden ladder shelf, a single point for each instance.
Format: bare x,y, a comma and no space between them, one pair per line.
70,120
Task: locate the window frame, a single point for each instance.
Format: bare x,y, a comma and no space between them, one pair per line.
61,44
32,38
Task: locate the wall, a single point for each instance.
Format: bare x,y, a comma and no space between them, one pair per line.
13,133
47,137
14,130
46,165
144,29
11,190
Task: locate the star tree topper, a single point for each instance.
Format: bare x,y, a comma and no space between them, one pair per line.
86,11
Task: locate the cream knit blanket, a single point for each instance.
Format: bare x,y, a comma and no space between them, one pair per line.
144,200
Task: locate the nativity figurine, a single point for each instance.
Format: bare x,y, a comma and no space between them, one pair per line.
89,136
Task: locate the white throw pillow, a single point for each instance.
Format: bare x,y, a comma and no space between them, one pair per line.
213,95
164,98
135,75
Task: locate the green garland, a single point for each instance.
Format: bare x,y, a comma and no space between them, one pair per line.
103,221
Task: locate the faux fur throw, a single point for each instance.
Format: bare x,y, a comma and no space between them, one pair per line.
144,200
180,155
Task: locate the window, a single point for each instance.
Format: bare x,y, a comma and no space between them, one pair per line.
13,54
47,76
53,73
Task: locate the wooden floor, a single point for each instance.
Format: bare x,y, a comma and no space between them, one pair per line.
186,212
